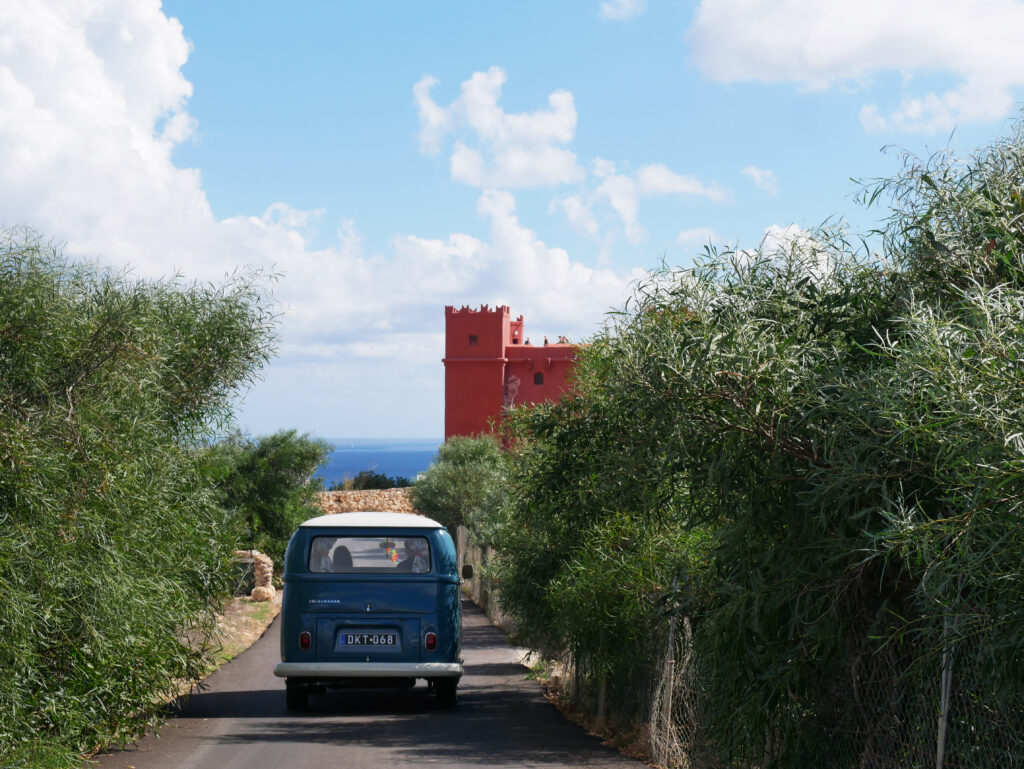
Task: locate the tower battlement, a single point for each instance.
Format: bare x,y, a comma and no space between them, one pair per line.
484,308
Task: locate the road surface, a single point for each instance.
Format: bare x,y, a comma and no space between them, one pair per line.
240,721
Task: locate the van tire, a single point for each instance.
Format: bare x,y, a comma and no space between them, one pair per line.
447,692
296,696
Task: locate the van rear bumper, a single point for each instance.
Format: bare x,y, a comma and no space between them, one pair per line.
368,670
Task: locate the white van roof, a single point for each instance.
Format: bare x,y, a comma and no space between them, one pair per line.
370,520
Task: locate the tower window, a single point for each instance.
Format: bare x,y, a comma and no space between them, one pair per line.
474,340
538,378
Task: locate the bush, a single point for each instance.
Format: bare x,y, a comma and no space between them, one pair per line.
368,479
268,484
113,550
825,446
464,485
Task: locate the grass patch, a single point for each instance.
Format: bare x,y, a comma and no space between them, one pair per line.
242,623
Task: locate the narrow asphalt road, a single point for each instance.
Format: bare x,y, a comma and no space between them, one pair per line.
240,721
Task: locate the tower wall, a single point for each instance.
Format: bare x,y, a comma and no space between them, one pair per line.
552,362
488,367
474,368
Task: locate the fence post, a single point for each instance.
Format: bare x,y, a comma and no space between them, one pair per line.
661,715
461,540
946,685
670,672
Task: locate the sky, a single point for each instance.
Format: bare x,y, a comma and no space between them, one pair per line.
384,160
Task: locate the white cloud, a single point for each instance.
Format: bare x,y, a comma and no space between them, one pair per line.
763,178
658,179
292,218
579,213
467,166
795,247
818,45
406,347
565,289
350,244
698,236
932,113
493,148
435,122
620,10
777,238
92,103
623,192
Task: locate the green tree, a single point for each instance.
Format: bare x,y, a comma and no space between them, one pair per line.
369,479
268,483
464,485
113,550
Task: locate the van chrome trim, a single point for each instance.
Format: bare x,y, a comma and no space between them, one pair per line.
367,669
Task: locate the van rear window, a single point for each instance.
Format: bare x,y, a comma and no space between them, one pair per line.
350,555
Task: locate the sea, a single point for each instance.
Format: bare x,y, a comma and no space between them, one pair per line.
405,457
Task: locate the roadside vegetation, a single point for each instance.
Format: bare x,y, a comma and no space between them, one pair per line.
266,484
778,521
370,479
114,547
463,487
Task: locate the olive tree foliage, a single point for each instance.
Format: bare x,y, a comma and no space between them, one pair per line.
814,453
463,487
268,483
370,479
113,549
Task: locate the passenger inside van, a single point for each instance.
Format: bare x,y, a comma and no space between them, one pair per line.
342,559
320,558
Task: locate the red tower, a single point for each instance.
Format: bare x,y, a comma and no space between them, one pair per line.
488,367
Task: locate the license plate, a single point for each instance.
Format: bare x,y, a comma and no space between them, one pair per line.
364,638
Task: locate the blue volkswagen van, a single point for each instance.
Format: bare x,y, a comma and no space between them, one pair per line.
370,599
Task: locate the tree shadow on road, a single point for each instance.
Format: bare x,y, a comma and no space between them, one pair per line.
489,728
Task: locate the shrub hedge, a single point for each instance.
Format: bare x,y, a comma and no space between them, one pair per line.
113,551
812,451
267,484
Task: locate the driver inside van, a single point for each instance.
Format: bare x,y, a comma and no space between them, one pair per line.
417,557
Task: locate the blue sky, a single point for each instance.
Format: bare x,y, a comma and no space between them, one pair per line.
387,160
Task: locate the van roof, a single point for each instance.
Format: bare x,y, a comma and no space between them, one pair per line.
369,520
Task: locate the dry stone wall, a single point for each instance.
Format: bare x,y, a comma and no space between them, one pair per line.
478,588
263,573
386,500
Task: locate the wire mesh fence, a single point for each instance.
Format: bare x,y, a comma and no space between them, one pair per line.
902,707
931,700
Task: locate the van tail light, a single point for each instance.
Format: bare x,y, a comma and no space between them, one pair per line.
305,640
430,641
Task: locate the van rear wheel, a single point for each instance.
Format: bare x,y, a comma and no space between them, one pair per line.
296,695
447,691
